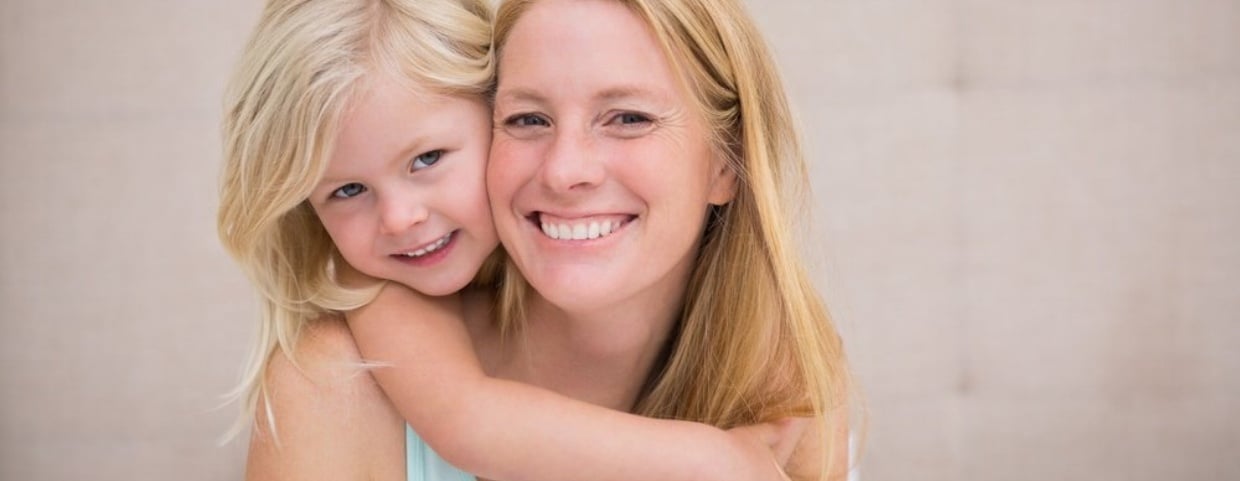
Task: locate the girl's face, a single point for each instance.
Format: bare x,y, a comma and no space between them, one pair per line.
403,197
601,170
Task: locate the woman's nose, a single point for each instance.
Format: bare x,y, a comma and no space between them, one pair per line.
572,163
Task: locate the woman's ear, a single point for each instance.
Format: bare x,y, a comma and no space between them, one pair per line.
722,183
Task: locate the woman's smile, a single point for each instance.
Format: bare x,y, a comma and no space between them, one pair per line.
580,228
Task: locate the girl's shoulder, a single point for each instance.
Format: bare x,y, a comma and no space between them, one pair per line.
331,420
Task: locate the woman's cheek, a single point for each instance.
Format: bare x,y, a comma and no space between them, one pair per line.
509,164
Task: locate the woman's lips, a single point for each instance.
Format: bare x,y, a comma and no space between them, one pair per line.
580,227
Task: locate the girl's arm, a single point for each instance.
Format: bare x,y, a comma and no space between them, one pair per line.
809,449
332,420
501,429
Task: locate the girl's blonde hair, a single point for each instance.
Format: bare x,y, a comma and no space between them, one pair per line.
283,106
754,342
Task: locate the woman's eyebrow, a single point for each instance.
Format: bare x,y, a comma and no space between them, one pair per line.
519,94
619,92
624,92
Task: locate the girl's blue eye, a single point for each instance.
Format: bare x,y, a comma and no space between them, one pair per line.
348,190
426,160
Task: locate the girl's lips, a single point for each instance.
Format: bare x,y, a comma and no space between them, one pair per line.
428,247
431,253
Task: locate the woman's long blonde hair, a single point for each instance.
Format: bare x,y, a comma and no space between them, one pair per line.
755,342
283,106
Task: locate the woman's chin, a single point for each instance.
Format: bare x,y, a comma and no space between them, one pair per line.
576,296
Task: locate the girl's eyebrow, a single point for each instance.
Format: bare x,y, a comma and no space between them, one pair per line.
413,145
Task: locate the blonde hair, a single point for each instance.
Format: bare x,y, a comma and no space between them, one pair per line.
754,342
283,106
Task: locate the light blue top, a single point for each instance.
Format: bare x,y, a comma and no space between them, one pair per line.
422,464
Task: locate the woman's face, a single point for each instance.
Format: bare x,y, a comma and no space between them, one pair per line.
601,171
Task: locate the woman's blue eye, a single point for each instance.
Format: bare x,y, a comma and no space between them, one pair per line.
632,118
348,190
528,120
426,160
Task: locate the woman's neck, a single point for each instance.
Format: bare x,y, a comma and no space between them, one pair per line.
603,358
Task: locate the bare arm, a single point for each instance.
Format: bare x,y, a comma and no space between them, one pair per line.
501,429
332,421
807,457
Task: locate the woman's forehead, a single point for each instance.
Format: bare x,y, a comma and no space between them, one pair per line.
597,46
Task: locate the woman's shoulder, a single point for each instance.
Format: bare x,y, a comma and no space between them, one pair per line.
325,363
322,415
323,346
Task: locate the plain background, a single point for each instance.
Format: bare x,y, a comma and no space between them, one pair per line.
1026,220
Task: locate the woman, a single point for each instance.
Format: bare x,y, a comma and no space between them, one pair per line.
639,155
691,150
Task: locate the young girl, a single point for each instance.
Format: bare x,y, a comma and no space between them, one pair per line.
356,135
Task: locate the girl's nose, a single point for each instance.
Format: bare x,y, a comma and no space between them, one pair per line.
399,213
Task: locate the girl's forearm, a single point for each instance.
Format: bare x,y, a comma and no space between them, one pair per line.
502,429
509,430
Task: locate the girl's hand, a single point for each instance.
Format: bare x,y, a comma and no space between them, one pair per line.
770,444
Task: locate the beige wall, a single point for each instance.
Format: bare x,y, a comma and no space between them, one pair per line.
1027,214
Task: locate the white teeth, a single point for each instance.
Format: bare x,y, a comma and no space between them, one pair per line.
582,231
443,241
